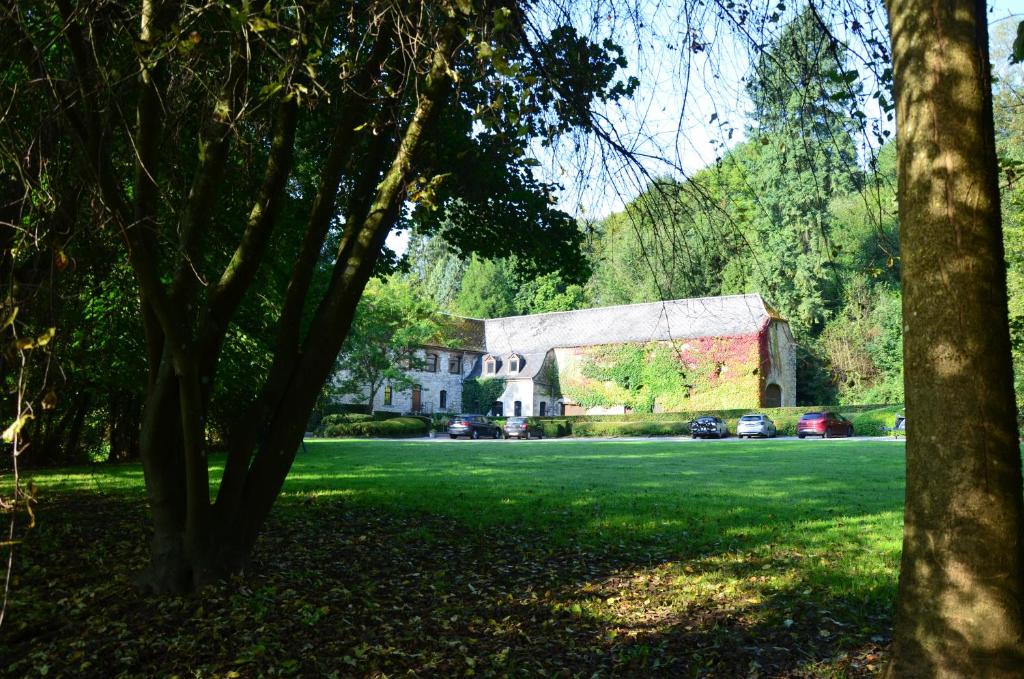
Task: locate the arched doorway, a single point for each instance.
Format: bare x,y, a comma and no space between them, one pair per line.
773,396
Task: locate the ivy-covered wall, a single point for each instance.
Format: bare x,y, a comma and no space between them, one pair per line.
479,394
711,373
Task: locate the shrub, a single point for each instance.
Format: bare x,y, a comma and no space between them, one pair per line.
868,420
552,428
666,428
347,418
395,427
439,421
873,422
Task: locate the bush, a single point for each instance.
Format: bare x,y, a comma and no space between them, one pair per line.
868,420
396,427
439,421
666,428
873,422
346,418
552,428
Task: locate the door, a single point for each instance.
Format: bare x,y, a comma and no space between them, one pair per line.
416,398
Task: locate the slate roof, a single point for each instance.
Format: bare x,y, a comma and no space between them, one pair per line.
532,361
655,321
459,332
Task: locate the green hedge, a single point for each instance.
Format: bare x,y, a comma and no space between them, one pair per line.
395,427
868,420
659,428
874,422
344,418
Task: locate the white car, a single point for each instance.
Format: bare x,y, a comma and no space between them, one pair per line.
756,425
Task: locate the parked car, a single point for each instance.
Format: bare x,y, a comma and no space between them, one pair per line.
756,424
473,426
825,425
519,428
708,426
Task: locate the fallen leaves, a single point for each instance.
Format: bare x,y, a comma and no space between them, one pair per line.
348,592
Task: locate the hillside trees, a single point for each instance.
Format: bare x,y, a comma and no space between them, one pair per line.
205,138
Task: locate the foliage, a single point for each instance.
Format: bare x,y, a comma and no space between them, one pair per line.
393,320
479,394
548,293
487,290
392,427
245,163
343,418
868,420
642,428
701,373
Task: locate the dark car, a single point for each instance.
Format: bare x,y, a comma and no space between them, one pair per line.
519,428
473,426
708,426
824,424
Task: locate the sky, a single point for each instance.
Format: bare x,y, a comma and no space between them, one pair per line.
690,106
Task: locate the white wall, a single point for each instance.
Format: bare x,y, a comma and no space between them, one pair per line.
517,390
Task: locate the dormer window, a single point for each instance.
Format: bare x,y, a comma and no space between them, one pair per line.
490,365
515,363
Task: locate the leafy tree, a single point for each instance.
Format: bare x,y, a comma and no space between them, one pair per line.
250,161
392,321
436,267
549,292
487,290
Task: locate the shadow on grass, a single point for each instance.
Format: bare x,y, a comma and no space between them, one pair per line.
734,560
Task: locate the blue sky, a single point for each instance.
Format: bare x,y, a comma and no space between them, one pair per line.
690,106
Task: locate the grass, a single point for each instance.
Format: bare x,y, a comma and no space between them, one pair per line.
668,557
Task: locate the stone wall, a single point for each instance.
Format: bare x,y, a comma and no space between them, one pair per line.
431,386
779,361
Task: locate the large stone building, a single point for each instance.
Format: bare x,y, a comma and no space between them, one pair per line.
708,353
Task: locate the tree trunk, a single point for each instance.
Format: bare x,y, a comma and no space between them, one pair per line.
959,610
125,414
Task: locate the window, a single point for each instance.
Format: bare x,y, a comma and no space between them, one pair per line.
498,409
515,364
444,399
543,408
490,365
431,364
518,408
455,365
387,395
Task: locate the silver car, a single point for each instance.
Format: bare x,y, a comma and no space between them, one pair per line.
756,425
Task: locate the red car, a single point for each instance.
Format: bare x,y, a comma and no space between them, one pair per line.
825,425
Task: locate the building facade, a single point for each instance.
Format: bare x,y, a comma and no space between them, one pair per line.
678,355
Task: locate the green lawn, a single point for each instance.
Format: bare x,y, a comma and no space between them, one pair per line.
793,545
827,512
